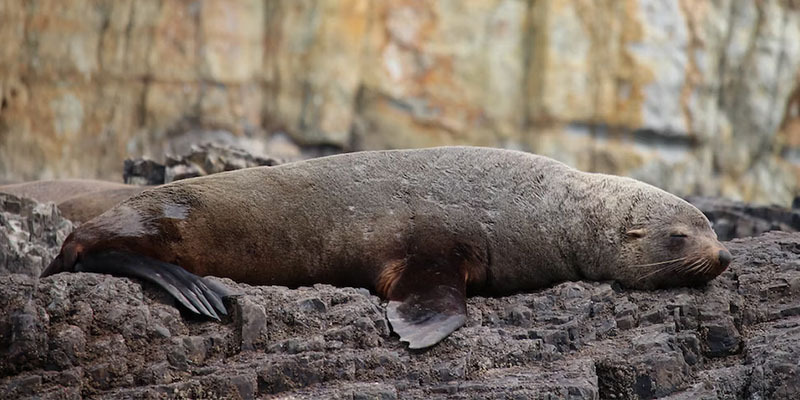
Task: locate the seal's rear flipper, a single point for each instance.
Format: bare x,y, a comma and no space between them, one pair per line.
427,295
193,292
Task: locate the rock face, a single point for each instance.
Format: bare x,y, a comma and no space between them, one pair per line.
30,235
97,336
199,160
697,97
733,219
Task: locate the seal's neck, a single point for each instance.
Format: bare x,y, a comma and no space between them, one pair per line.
595,229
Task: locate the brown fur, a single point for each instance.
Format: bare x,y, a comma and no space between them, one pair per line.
509,221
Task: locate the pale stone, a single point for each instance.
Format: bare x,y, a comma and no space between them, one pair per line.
312,67
664,50
174,55
453,75
233,35
693,96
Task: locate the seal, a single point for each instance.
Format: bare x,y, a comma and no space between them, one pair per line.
78,200
421,228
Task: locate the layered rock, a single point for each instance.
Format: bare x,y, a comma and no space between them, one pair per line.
31,234
731,219
85,335
697,97
201,159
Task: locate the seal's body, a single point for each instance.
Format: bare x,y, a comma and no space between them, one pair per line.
78,200
420,227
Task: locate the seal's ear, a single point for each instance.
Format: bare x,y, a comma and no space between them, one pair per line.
636,233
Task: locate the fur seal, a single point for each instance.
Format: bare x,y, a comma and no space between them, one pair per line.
78,200
422,228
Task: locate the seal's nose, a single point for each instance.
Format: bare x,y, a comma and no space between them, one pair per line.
724,258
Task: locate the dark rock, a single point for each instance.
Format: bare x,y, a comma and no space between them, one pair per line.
312,305
67,347
23,341
722,339
143,172
209,158
774,353
734,219
21,386
203,159
89,335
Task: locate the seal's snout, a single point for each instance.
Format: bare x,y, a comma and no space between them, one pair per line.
54,267
724,258
66,259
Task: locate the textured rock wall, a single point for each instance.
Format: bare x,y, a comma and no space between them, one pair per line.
698,97
82,335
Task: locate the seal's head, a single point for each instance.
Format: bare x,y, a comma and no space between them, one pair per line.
670,243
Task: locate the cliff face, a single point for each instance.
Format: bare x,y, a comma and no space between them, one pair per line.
697,97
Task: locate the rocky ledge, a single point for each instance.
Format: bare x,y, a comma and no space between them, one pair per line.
88,335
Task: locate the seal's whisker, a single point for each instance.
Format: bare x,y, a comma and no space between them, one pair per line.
660,263
698,270
692,267
651,273
666,268
708,267
695,266
701,268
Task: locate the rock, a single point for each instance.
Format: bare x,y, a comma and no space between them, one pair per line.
208,158
143,171
697,97
735,219
773,354
30,234
202,159
89,335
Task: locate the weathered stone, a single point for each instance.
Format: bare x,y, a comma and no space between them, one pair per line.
773,353
254,323
23,386
698,97
203,159
732,219
115,337
143,172
312,304
30,234
24,339
67,347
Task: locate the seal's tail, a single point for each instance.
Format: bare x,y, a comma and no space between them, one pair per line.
199,295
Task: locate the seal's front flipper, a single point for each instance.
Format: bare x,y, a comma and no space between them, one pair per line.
424,319
427,291
193,292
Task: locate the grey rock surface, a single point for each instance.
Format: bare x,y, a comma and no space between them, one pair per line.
735,219
31,234
201,159
143,171
97,336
